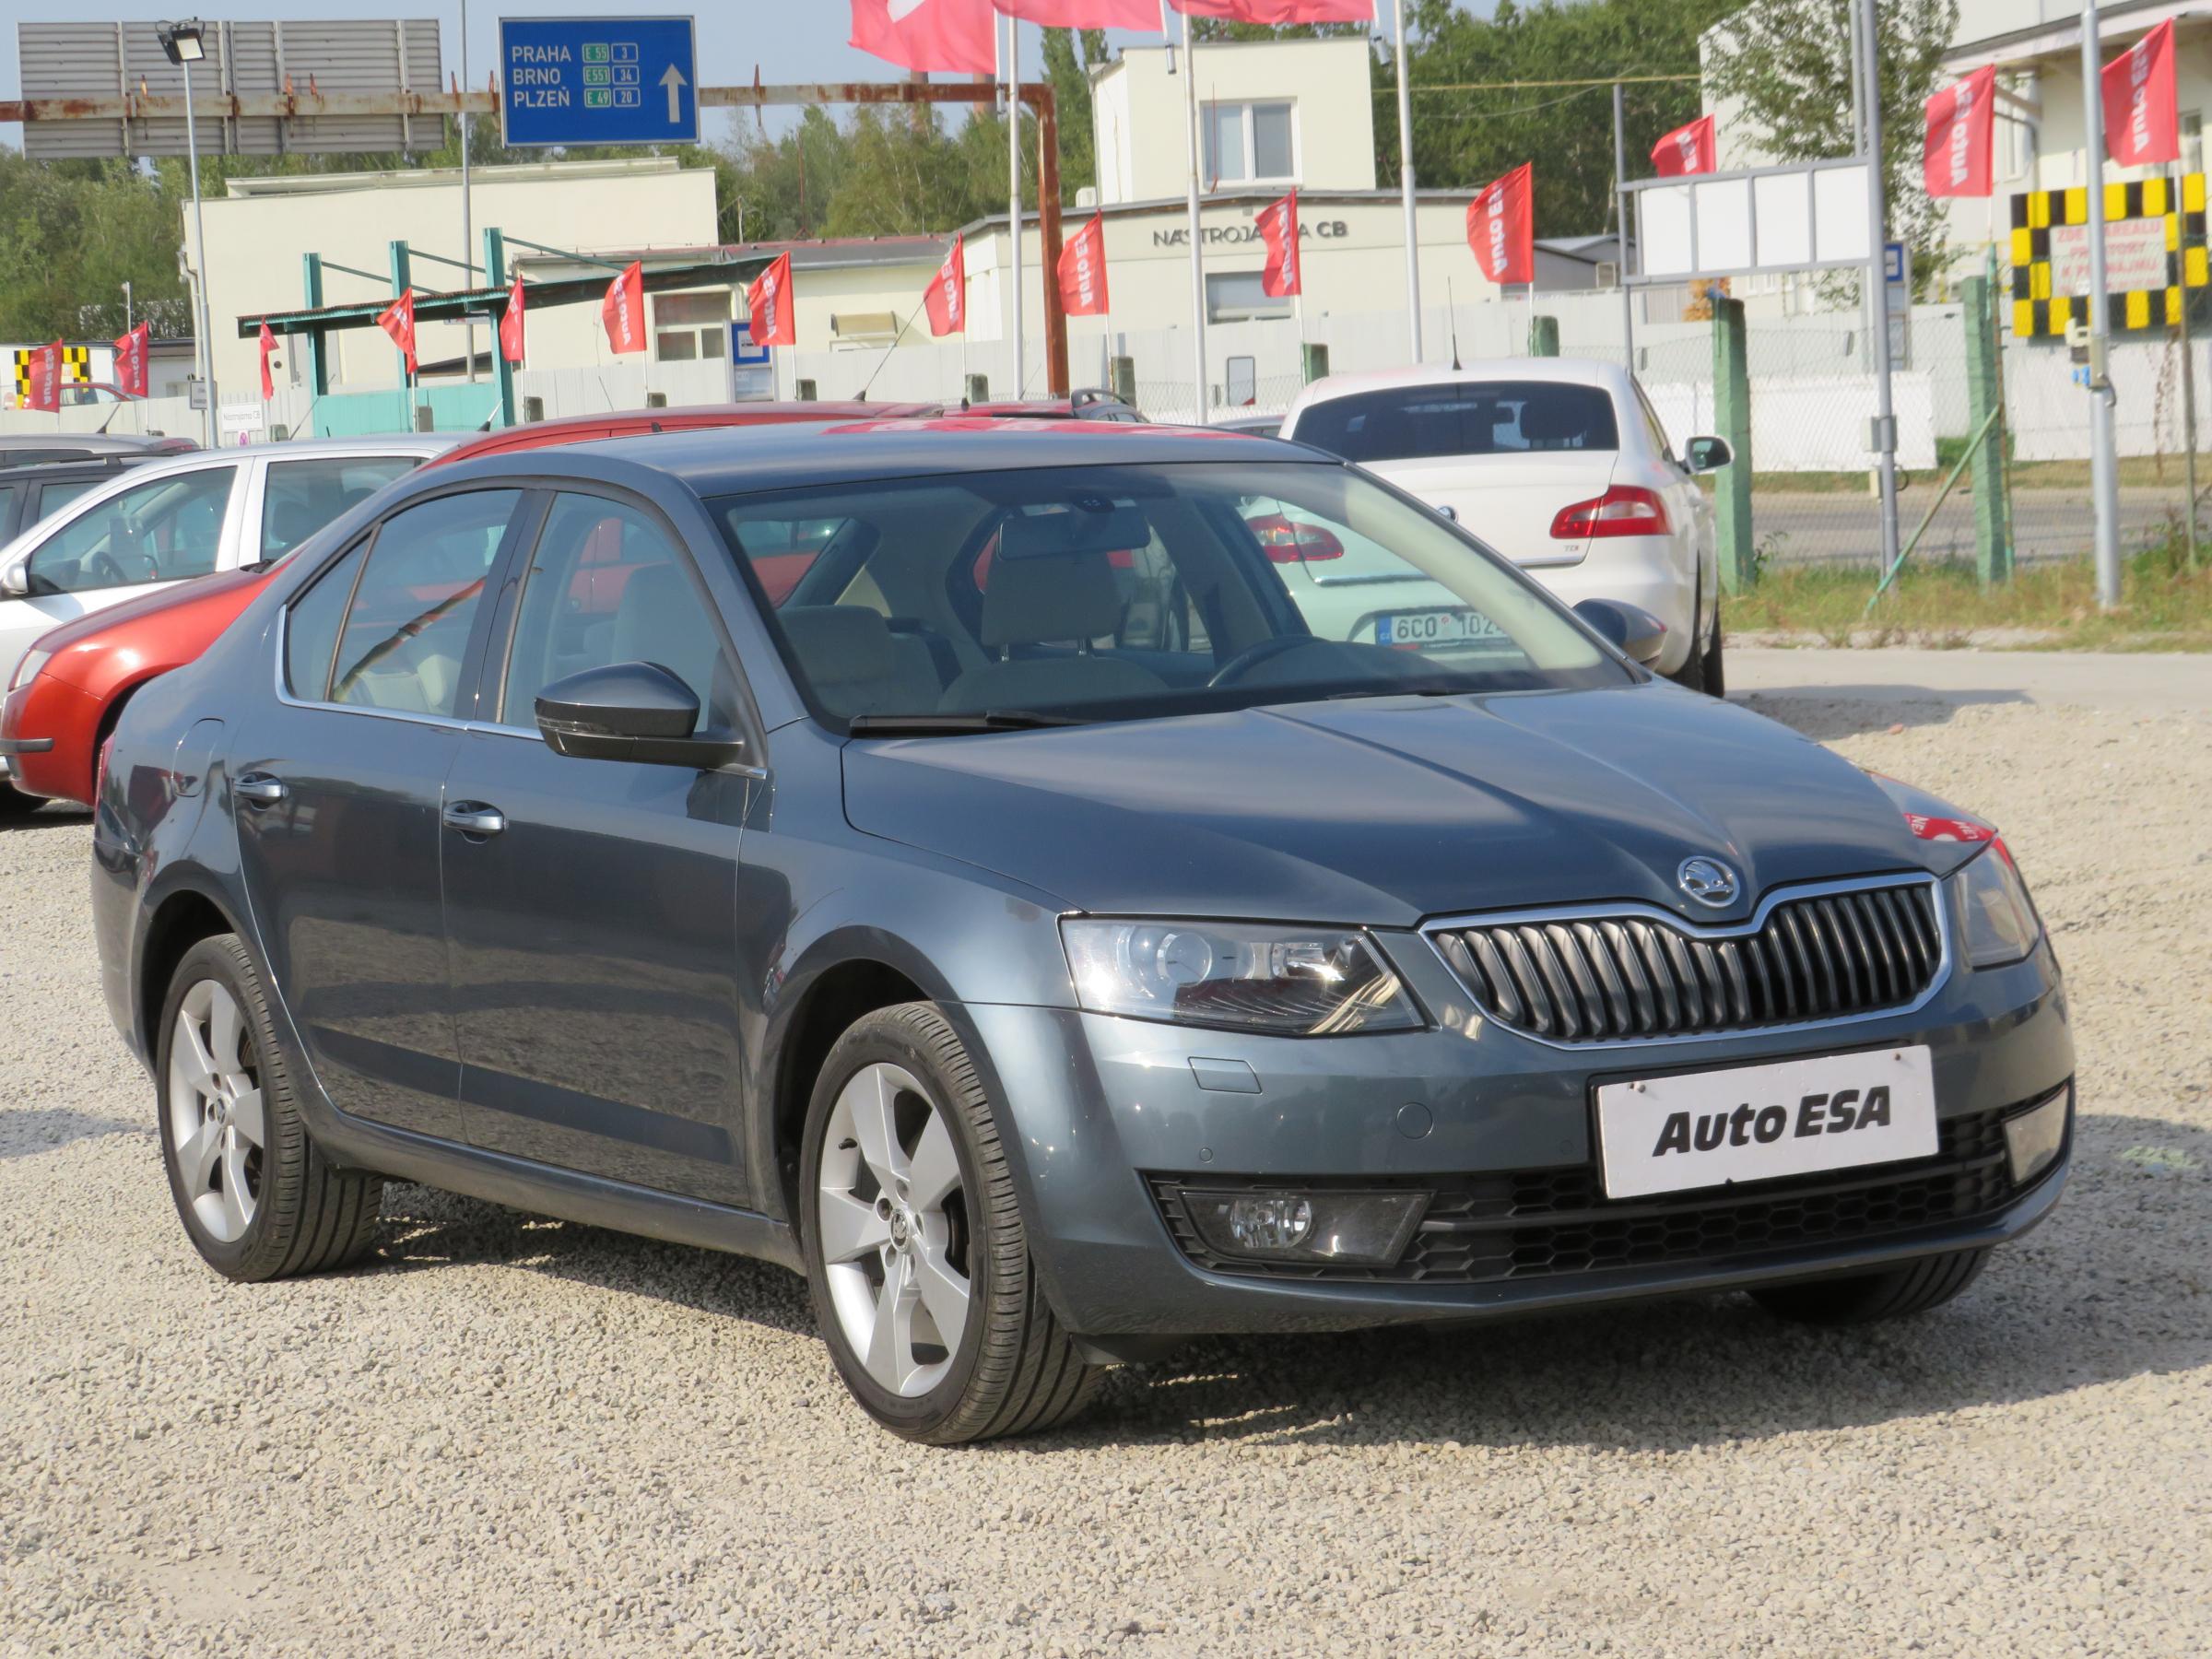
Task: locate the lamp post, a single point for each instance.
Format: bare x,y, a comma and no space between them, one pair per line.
185,45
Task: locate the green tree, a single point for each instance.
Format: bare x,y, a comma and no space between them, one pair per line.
1788,61
1463,140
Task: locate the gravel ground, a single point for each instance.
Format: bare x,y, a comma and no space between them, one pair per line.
518,1436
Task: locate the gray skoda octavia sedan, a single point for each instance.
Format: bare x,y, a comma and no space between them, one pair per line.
1063,890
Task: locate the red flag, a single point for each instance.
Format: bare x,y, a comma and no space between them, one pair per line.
771,318
1278,228
1280,11
44,391
1086,14
2141,123
1083,271
397,320
1686,150
1502,227
623,310
958,37
511,323
131,360
1962,124
946,298
268,350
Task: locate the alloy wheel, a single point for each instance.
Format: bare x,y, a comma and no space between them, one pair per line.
217,1124
894,1227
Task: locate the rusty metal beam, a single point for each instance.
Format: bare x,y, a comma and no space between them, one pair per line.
297,105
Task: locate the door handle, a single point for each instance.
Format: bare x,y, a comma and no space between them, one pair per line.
473,817
261,789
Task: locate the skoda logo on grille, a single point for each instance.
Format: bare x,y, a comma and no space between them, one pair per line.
1707,880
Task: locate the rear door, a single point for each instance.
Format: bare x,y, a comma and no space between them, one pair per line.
297,498
592,905
339,781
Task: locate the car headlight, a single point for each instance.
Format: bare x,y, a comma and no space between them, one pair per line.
2001,924
1295,982
28,669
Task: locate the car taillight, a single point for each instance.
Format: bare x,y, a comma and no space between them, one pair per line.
1624,510
1287,541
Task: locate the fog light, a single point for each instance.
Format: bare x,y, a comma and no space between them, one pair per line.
1356,1228
2032,1140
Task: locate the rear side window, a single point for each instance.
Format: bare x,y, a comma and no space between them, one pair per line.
405,631
302,496
1489,417
55,496
310,634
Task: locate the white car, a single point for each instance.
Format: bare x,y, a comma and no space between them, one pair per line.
1560,463
170,521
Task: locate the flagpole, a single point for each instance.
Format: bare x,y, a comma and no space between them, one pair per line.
2104,490
1413,240
1190,72
1014,189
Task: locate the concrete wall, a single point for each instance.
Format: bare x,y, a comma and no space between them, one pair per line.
258,235
1141,123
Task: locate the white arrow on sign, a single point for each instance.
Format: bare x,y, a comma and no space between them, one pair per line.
673,79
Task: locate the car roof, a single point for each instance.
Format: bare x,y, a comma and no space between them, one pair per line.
1579,372
794,456
89,444
99,465
580,429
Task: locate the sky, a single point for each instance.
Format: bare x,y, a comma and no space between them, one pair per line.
787,39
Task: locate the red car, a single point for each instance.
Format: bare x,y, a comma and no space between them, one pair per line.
81,673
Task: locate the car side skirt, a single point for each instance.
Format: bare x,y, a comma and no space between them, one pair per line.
565,1195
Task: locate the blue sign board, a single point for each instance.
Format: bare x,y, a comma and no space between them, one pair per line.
597,80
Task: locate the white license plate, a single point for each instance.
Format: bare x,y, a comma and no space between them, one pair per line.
1756,1123
1435,627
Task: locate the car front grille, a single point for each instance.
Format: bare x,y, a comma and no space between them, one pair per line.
1831,955
1549,1223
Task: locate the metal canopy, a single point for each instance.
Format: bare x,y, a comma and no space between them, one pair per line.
453,306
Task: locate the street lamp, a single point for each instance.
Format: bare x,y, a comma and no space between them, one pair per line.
185,44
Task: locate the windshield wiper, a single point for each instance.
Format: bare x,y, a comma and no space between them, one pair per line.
1420,688
954,726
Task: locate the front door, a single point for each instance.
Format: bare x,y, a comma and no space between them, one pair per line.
164,530
339,786
592,904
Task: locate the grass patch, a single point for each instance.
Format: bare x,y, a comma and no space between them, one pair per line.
2163,606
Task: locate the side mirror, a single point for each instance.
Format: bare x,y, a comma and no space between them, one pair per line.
1450,512
1639,635
635,711
1706,455
15,580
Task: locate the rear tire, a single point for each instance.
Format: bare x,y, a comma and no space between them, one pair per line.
1715,673
916,1253
258,1198
1865,1299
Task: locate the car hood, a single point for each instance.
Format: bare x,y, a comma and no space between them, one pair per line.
210,595
1386,811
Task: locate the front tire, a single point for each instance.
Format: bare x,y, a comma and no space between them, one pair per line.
1869,1298
258,1198
916,1252
16,805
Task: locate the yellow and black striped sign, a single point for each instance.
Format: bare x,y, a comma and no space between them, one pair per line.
77,368
2037,311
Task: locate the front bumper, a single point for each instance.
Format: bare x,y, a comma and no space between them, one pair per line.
1109,1114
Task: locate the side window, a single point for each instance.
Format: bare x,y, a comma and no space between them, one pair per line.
406,634
163,530
55,496
607,585
301,497
7,507
311,632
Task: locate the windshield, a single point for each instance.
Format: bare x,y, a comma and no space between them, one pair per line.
1485,417
1132,592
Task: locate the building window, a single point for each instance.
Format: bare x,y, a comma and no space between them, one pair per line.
1249,143
691,325
1237,297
